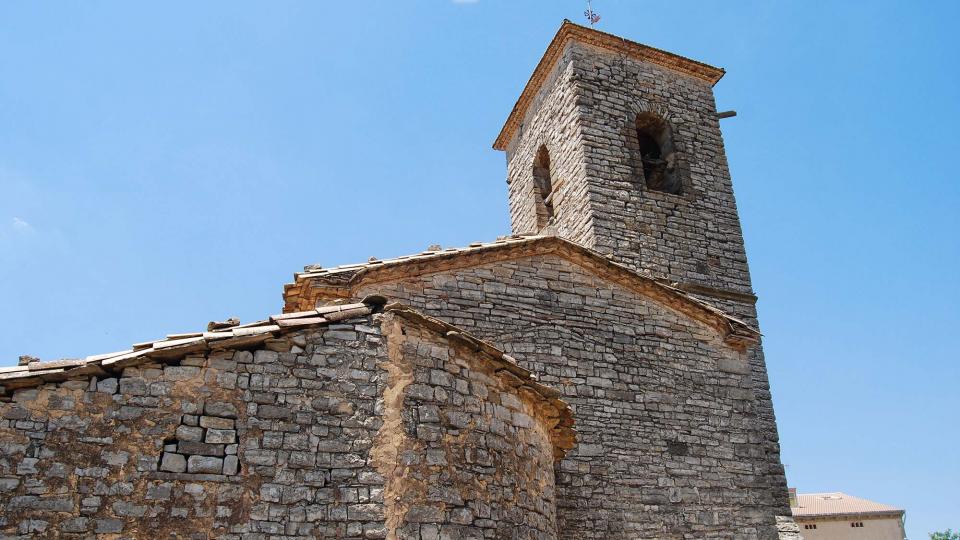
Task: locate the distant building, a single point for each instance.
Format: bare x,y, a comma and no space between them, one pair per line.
838,516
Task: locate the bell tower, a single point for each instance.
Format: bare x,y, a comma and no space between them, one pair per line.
617,146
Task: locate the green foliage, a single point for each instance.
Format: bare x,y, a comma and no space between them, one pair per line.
945,535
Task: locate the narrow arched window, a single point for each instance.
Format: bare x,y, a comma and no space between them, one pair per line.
657,155
543,188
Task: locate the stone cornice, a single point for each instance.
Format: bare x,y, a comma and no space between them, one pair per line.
570,31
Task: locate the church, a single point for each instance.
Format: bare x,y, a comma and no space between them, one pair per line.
595,374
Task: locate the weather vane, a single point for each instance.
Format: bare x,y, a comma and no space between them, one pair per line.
590,14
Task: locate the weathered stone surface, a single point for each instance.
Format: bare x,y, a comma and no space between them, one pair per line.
220,408
220,436
189,433
317,454
108,386
205,464
173,463
231,465
216,422
199,448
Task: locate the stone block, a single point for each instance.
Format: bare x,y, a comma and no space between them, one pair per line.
189,433
216,422
429,413
273,412
158,492
9,483
265,357
429,531
28,526
231,465
199,448
108,526
365,512
16,413
133,386
127,412
220,408
107,386
128,509
205,464
424,514
260,457
75,525
180,373
173,463
463,516
221,436
271,492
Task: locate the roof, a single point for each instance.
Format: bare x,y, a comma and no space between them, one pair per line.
570,31
343,281
839,504
176,346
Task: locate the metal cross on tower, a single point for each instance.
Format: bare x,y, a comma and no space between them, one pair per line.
590,14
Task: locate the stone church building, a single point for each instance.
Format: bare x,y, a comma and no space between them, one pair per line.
597,374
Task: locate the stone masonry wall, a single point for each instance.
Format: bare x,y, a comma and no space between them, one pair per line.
474,459
83,458
587,118
553,123
299,438
670,438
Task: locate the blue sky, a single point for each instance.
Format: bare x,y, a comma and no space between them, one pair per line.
160,168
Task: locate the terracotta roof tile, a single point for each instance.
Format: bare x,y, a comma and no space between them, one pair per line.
838,504
36,373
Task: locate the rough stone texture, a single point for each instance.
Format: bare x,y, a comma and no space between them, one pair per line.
477,462
788,528
586,117
669,437
307,411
